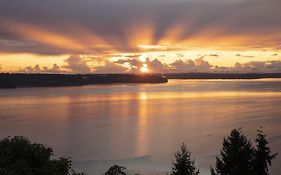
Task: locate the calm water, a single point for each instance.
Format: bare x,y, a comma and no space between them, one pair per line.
141,125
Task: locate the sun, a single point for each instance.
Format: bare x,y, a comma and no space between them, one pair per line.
144,68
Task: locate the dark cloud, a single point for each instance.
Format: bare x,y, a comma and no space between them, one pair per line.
135,56
246,56
37,47
14,43
166,15
105,26
214,55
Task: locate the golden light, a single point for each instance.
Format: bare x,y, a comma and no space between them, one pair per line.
144,68
42,35
143,58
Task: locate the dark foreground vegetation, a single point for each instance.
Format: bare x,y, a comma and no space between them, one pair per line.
19,156
222,75
238,156
44,80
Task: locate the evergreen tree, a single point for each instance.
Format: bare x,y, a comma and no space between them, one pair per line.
184,164
116,170
236,155
263,155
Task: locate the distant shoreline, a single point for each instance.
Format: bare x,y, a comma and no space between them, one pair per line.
55,80
222,75
10,80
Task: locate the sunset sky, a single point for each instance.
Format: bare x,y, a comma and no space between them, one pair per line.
133,36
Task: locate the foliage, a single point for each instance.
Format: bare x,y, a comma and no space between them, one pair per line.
263,156
236,155
116,170
18,156
184,164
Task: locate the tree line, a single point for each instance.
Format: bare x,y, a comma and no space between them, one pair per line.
238,156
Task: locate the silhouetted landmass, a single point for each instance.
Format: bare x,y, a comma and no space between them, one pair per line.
222,75
47,80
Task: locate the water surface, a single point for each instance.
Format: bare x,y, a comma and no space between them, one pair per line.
141,125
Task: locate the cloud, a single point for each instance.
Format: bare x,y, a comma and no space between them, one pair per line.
75,64
131,61
156,66
110,67
259,66
202,65
79,65
182,66
214,55
37,69
133,64
110,26
179,55
199,65
252,67
246,56
14,43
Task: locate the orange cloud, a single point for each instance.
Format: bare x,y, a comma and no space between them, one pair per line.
41,35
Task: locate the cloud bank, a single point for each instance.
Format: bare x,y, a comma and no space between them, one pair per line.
79,65
107,26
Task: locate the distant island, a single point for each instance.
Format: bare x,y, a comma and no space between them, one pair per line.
222,75
14,80
8,80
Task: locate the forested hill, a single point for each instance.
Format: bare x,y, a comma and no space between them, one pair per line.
46,80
